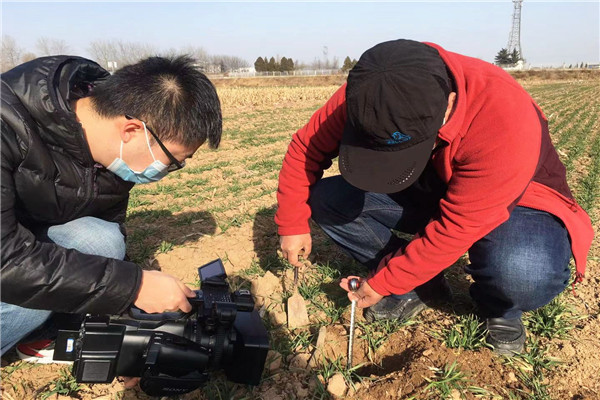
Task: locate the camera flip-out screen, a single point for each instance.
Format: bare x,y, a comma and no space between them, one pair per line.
214,270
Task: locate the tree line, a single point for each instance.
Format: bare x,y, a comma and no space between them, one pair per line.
283,65
116,52
504,58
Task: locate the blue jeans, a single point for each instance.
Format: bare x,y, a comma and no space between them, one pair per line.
519,266
88,235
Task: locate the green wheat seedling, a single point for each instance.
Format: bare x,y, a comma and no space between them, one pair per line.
580,141
590,184
339,365
466,333
448,380
554,320
445,380
64,385
328,272
332,313
204,168
238,283
309,290
377,333
165,247
301,341
236,221
253,271
531,368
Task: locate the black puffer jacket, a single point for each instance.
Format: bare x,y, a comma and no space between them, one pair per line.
50,178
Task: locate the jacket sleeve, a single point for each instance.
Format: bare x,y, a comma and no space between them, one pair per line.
310,152
46,276
493,166
117,213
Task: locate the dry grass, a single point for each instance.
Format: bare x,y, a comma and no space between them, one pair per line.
234,97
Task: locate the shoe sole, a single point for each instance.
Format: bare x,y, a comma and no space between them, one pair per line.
508,352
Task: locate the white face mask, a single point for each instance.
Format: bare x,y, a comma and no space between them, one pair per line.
154,172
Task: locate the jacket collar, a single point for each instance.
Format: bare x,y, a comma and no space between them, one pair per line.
452,127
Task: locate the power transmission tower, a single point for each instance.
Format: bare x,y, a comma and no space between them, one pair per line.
514,40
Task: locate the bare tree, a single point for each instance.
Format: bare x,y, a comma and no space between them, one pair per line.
229,63
199,53
28,57
49,46
130,52
335,63
123,53
11,53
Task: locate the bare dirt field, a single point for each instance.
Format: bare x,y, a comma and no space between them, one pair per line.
222,205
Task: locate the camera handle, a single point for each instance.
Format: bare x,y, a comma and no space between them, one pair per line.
137,313
155,382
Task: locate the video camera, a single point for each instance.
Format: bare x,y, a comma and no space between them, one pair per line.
172,352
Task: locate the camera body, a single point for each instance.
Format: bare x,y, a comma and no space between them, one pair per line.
173,352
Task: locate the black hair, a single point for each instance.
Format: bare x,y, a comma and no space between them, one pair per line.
170,94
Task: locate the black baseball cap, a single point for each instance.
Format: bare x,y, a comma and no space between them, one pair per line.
396,98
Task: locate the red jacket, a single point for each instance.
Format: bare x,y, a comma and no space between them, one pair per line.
496,153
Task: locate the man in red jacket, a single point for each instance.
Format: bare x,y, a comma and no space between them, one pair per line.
453,150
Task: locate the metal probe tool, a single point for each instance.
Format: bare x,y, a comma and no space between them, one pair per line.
353,284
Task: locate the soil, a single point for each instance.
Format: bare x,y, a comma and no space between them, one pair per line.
397,370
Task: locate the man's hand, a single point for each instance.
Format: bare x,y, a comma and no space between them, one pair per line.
365,294
294,245
161,292
130,382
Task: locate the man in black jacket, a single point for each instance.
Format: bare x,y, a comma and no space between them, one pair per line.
74,142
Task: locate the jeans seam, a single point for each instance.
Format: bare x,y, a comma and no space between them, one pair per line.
374,234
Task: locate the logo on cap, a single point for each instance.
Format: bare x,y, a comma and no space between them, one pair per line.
398,137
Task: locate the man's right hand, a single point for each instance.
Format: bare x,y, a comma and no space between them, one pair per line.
160,292
294,245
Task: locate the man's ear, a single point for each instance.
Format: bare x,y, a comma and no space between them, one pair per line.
451,101
129,128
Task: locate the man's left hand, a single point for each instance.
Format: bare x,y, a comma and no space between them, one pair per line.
130,382
365,295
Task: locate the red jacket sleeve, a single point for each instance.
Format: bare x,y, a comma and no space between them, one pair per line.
310,152
494,163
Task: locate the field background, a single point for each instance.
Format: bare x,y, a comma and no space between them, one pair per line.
222,205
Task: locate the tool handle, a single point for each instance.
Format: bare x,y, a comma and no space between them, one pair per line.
353,284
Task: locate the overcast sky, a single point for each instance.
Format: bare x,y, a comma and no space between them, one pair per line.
552,33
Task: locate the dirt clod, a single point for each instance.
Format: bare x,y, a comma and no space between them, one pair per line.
337,385
274,360
277,315
264,287
318,354
300,361
297,315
